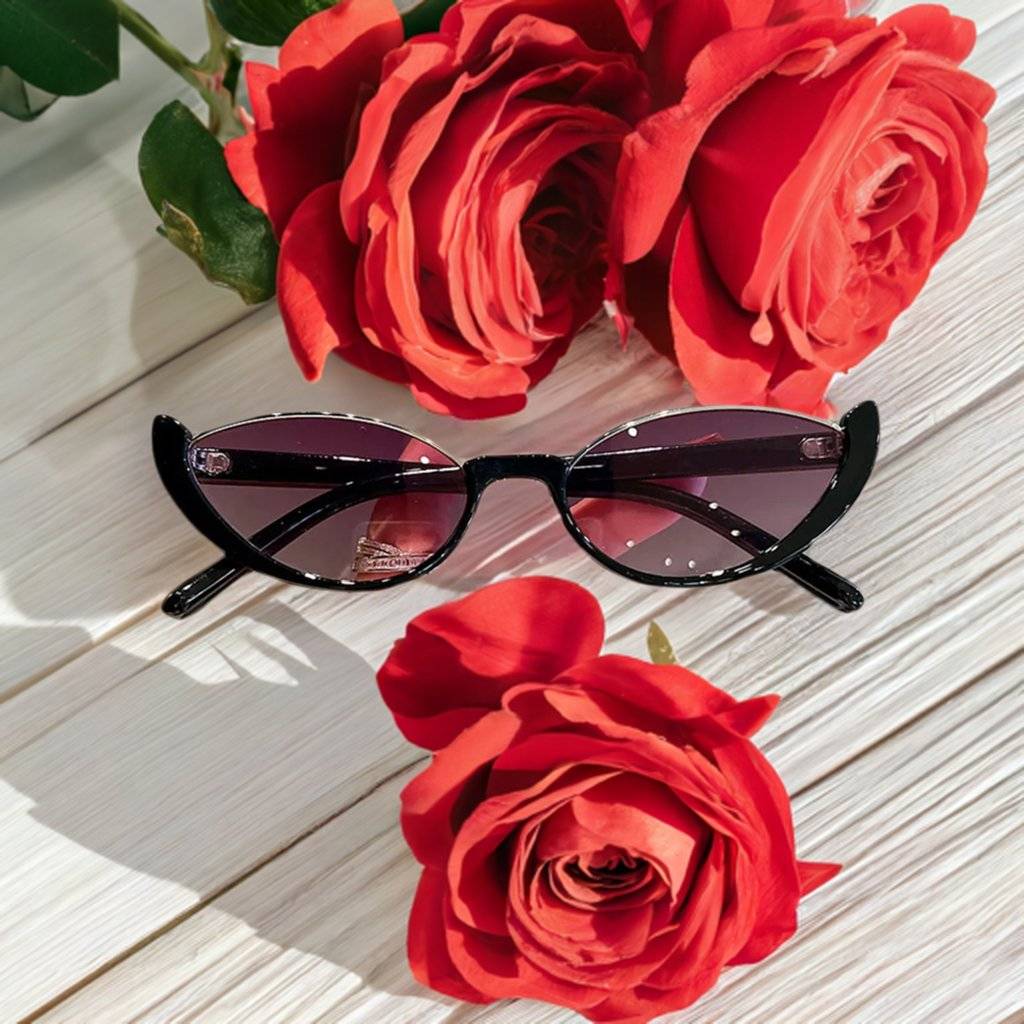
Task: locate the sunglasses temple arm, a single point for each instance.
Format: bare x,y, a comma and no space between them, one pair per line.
199,590
814,577
708,457
711,457
822,582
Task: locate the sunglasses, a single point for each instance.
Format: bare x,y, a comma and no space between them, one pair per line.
679,499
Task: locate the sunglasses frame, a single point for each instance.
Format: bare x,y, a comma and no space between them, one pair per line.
172,440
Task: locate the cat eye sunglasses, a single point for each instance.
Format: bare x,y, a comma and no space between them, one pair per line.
680,499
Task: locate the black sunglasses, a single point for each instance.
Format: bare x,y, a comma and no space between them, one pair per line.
681,499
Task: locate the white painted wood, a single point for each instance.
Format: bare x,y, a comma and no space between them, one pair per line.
191,770
93,297
926,818
95,471
146,765
78,231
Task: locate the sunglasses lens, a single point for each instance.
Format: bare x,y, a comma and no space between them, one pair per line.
701,492
337,498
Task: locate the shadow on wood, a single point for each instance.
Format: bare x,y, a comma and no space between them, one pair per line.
196,771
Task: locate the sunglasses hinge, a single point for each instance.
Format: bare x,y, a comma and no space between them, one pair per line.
209,461
821,447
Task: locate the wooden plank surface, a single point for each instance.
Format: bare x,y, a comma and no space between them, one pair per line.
197,820
339,899
94,298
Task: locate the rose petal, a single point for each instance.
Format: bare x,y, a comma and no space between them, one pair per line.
462,656
789,10
632,812
933,28
599,22
644,291
315,277
490,963
429,958
477,874
694,961
712,333
748,716
799,385
276,170
656,156
668,691
303,110
429,800
698,784
258,79
682,30
386,121
815,874
435,398
748,238
774,888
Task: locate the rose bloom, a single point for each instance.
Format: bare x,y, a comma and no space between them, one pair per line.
596,832
784,178
442,204
451,236
793,201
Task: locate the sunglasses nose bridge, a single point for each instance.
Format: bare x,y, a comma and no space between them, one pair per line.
486,469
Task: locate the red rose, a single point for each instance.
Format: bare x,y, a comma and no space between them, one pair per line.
304,115
464,246
596,832
448,231
795,199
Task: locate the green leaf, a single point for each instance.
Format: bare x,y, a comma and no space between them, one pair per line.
19,99
267,22
659,647
424,17
187,181
65,47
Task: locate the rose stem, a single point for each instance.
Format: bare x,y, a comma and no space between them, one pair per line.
205,77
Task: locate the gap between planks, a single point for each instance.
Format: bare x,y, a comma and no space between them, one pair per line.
260,596
889,456
180,637
254,869
926,456
122,386
991,21
910,432
902,438
903,727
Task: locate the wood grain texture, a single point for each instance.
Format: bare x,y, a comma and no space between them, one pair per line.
93,296
230,742
94,473
317,934
197,819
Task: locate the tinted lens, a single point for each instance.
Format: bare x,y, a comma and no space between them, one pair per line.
702,491
338,498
